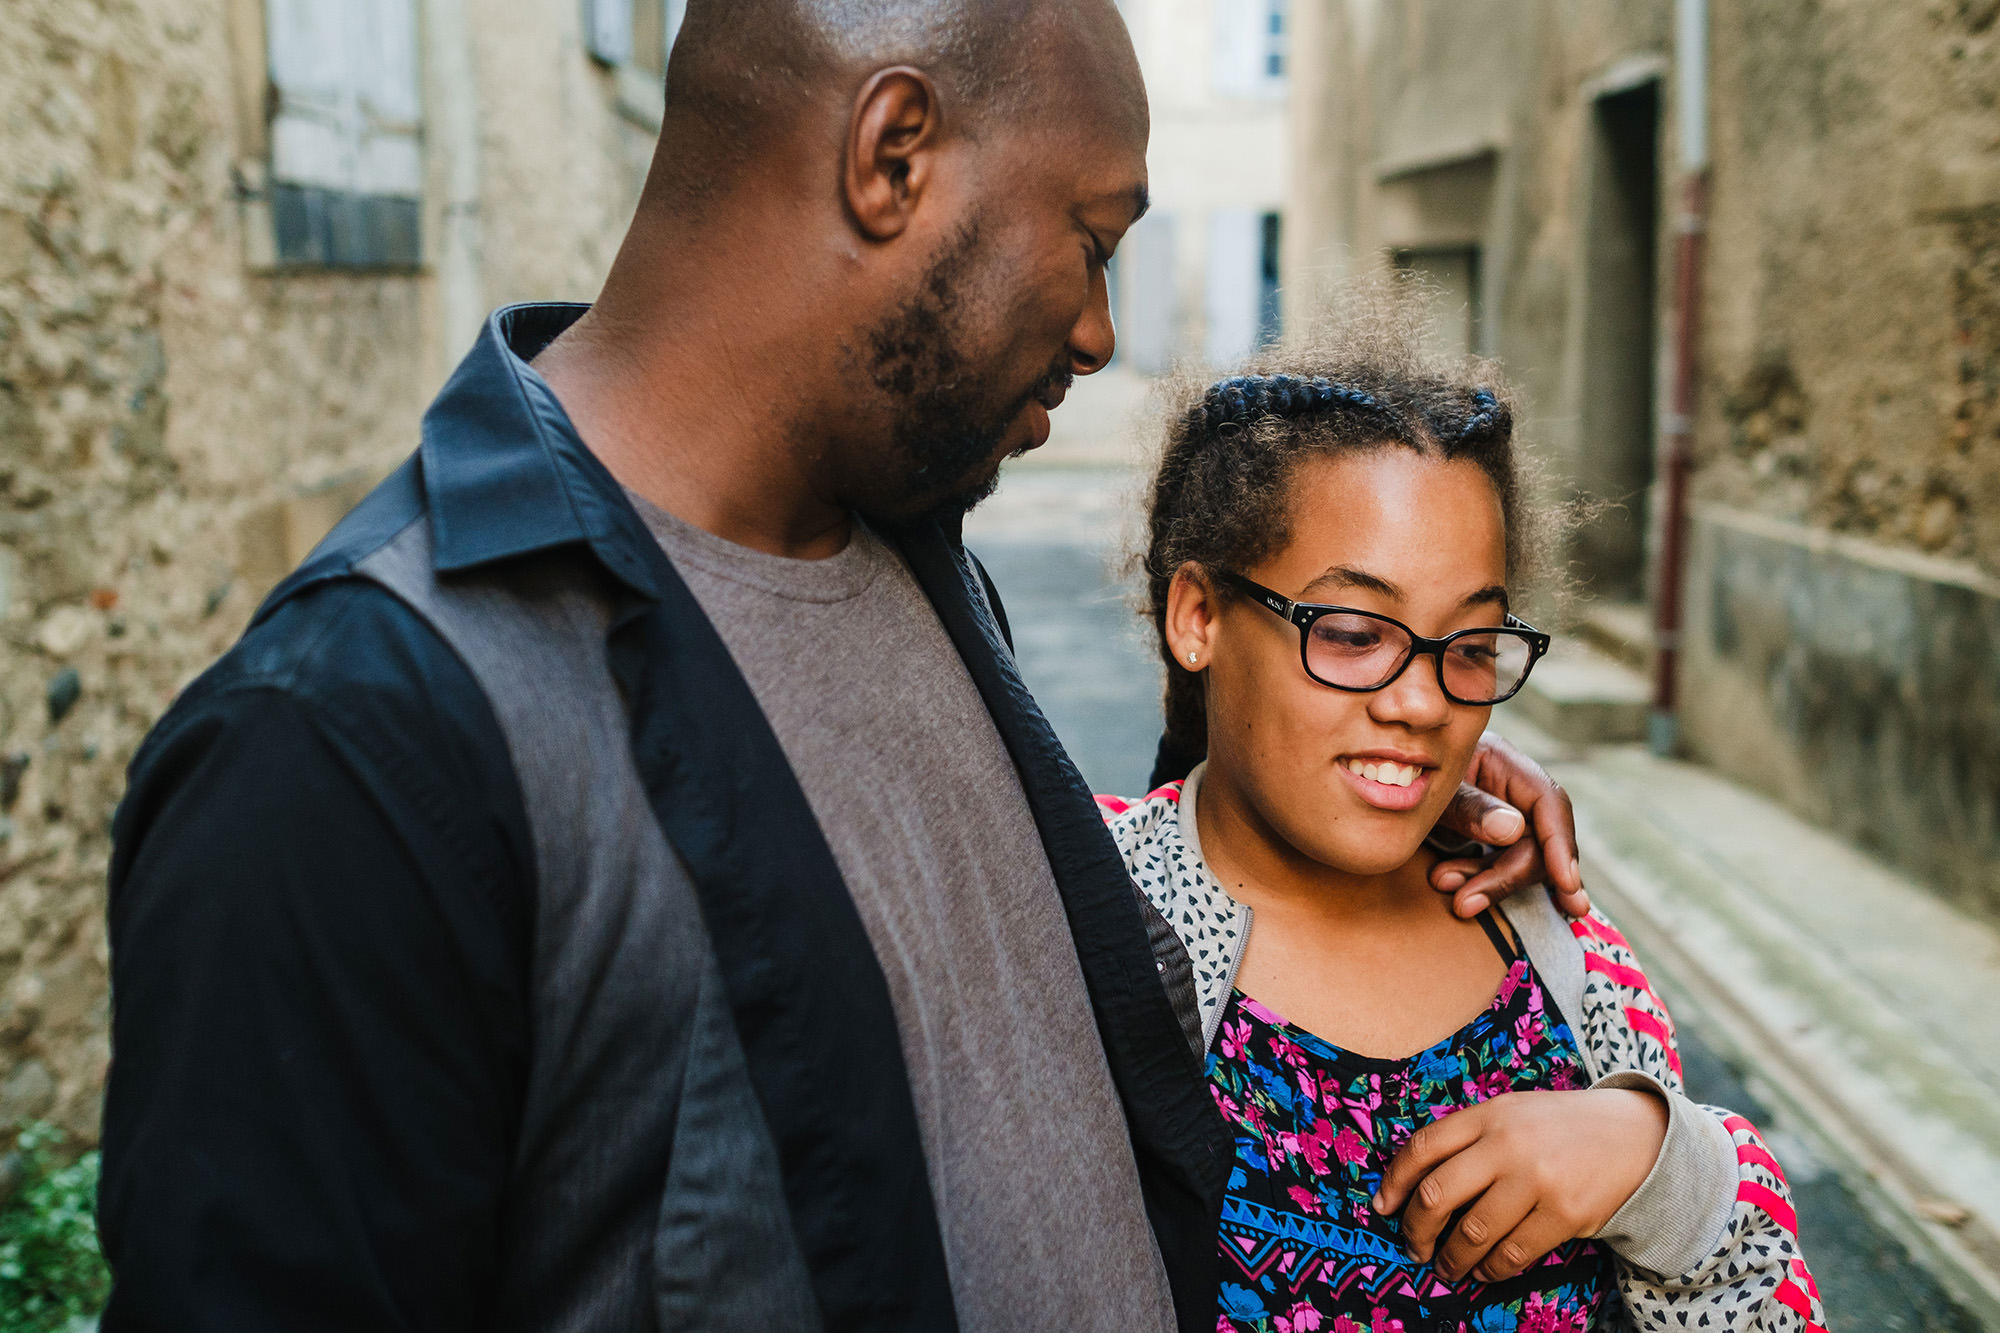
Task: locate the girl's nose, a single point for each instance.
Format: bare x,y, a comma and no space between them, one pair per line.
1414,699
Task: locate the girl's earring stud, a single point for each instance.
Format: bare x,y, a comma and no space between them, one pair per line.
1190,659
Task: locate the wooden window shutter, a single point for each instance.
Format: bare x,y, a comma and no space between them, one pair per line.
347,162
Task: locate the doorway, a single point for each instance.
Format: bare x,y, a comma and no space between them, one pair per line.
1615,460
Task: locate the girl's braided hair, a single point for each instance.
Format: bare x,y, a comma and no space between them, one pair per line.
1369,380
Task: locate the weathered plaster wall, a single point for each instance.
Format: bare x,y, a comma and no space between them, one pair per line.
177,426
1853,335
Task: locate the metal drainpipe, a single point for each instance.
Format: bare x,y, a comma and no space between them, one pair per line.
1691,69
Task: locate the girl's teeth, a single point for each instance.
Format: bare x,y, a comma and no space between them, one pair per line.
1388,774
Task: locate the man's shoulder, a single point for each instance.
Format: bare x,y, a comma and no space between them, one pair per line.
343,646
340,689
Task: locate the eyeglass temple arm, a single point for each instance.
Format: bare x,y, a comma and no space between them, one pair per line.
1284,606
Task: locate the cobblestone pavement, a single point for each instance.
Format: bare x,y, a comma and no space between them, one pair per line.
1052,540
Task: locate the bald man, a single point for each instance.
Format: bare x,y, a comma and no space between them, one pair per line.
619,881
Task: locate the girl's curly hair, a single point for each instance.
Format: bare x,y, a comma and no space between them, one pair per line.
1368,379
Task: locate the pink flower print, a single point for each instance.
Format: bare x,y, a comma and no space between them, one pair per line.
1528,1028
1545,1316
1306,1199
1508,986
1342,1324
1349,1147
1222,1324
1235,1039
1260,1013
1302,1319
1483,1086
1313,1146
1562,1078
1362,1109
1382,1323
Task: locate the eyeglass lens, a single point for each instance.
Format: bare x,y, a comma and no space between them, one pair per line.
1359,652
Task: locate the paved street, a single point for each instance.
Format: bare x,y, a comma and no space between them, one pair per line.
1052,539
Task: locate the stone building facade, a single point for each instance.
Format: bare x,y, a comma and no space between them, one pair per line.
213,339
1841,643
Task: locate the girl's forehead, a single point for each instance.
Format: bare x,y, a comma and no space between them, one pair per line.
1401,516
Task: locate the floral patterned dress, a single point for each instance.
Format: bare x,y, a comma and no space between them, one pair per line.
1316,1126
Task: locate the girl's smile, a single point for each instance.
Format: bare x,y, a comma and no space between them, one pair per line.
1389,779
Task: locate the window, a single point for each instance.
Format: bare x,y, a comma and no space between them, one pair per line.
346,183
633,32
1270,313
1451,273
1250,49
634,37
1149,306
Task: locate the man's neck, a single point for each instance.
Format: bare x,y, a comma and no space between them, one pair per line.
681,410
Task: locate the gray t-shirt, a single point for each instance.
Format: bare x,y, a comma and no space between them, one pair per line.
1028,1153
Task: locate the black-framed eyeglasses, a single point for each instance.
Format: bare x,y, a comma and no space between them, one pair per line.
1360,652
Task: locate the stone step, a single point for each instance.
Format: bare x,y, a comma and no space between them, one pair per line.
1584,697
1620,630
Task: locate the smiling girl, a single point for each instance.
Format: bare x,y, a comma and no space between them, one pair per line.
1440,1123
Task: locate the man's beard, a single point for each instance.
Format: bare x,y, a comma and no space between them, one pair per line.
950,420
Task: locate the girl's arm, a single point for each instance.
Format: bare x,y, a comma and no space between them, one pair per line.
1710,1239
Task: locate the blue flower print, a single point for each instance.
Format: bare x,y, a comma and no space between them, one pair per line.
1494,1319
1241,1302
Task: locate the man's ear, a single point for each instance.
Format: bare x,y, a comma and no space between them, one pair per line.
1191,617
891,140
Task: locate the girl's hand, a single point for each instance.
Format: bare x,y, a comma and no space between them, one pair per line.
1531,1170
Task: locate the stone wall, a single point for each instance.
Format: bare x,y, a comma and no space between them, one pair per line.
1852,358
1857,683
179,422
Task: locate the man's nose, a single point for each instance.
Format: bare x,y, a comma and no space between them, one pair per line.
1095,337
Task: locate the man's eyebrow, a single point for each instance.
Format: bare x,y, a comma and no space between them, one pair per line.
1346,576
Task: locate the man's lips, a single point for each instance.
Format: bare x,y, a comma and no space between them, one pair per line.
1038,425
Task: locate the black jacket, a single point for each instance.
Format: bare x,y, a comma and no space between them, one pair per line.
321,894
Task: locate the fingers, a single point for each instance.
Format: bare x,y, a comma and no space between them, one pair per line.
1456,1182
1555,829
1514,869
1427,1148
1483,816
1450,876
1531,1239
1499,1212
1503,773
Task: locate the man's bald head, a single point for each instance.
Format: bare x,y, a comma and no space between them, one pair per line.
743,72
